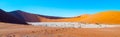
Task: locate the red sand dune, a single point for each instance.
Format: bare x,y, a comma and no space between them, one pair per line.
108,17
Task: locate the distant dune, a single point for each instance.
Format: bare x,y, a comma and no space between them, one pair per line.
28,17
69,19
108,17
18,16
8,18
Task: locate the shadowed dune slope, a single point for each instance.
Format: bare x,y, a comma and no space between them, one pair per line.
28,17
51,17
69,19
108,17
6,17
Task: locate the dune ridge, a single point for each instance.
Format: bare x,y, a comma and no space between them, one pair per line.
107,17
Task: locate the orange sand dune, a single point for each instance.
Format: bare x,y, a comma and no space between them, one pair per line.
15,30
108,17
70,19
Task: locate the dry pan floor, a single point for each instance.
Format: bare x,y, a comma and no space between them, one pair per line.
14,30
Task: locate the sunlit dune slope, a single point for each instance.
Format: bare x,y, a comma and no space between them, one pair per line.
108,17
69,19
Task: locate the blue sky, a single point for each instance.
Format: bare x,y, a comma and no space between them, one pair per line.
64,8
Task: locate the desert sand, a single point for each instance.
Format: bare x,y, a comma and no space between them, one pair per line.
107,17
16,30
22,29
